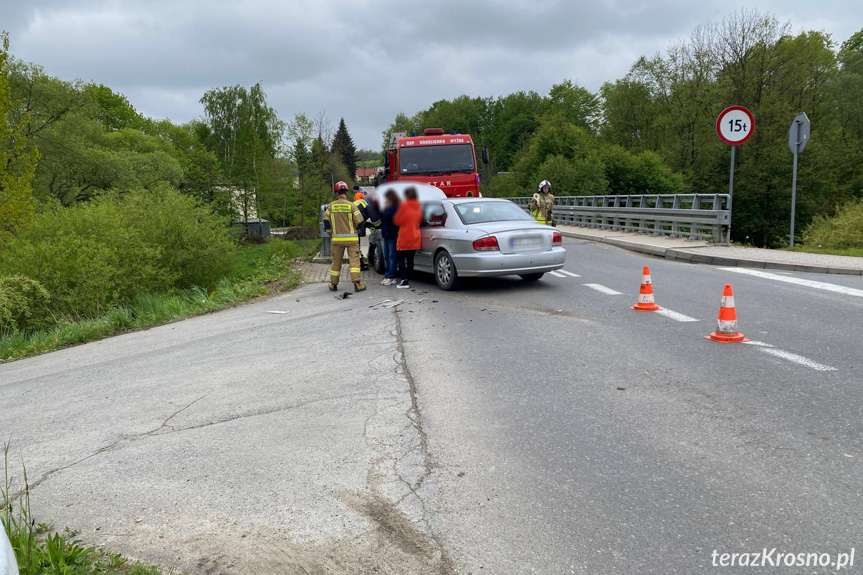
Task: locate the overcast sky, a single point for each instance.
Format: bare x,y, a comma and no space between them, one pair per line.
364,60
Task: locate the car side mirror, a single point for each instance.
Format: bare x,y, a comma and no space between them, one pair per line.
485,156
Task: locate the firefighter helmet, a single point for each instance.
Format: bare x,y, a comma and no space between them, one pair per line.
340,188
543,184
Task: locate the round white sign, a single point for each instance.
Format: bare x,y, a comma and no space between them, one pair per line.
734,125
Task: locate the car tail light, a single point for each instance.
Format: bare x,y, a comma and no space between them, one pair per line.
486,244
556,239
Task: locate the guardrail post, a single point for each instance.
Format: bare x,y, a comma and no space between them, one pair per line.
325,237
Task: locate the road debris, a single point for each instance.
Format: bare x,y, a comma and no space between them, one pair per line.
394,304
278,311
344,295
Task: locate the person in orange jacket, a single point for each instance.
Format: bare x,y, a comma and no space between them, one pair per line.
408,219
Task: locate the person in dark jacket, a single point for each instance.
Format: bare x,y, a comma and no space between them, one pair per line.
389,234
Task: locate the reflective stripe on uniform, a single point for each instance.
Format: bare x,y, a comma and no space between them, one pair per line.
344,238
341,207
335,273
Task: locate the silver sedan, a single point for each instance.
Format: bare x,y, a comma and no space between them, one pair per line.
477,237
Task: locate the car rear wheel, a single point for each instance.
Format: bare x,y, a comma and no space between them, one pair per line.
444,272
531,277
376,256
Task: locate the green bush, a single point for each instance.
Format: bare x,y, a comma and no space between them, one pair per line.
843,231
194,245
23,304
507,186
583,176
94,256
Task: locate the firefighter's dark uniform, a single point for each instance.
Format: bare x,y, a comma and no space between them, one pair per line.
341,219
370,214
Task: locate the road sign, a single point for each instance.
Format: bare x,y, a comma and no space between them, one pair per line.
798,133
734,125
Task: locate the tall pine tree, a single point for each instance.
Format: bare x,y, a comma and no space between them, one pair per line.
344,149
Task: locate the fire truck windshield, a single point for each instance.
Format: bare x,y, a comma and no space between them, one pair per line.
436,160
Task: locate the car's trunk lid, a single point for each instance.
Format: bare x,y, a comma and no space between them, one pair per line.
518,237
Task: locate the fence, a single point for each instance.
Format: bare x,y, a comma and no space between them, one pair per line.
698,216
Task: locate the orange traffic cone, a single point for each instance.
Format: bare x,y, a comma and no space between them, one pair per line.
726,332
645,297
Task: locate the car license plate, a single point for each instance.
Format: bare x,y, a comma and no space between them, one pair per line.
525,242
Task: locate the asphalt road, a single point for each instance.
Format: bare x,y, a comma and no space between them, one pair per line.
506,428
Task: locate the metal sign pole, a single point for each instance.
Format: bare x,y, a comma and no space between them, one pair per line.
730,196
793,196
798,137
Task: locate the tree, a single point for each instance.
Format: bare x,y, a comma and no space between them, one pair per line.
113,110
574,103
300,132
246,135
80,156
17,162
344,149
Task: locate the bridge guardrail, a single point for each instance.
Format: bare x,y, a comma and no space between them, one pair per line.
698,216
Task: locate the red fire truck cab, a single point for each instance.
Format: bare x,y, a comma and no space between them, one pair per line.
446,161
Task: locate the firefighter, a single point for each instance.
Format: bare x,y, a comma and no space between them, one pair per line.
542,203
341,219
371,217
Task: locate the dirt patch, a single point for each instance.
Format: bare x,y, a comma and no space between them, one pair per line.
392,545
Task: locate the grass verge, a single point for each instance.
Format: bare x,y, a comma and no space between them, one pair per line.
41,550
855,252
258,270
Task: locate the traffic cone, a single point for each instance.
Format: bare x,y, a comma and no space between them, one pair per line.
645,297
726,332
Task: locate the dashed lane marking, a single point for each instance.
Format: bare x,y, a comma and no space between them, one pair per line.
787,355
602,289
758,343
799,359
675,315
557,274
797,281
570,274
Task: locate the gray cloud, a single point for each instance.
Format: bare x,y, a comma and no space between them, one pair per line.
363,60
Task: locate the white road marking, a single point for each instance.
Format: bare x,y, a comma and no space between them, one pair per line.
675,315
758,343
797,359
601,288
797,281
771,349
557,275
570,274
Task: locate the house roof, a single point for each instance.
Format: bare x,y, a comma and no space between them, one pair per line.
366,172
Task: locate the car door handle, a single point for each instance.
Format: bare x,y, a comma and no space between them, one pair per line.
432,237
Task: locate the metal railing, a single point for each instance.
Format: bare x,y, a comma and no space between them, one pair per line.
697,216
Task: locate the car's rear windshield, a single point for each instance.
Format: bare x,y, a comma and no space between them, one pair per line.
480,212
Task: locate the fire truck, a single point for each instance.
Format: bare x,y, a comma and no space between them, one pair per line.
446,161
